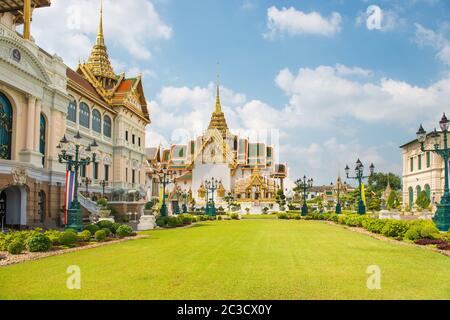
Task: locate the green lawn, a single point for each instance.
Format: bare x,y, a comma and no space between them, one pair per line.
249,259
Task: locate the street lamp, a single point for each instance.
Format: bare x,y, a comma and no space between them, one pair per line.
338,204
103,184
304,185
211,186
442,216
87,181
359,175
163,178
177,206
75,218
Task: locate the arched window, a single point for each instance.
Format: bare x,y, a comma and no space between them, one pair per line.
42,140
428,191
72,111
5,128
411,197
85,115
419,191
96,121
107,126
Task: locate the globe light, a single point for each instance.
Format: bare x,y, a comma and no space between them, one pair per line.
421,135
444,123
372,169
347,171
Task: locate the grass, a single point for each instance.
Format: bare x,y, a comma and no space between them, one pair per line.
249,259
259,216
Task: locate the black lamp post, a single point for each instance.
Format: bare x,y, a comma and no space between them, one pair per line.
87,181
304,185
103,184
163,178
177,206
75,219
442,216
359,175
338,204
211,185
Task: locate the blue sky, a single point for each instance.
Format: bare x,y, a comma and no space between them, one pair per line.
312,70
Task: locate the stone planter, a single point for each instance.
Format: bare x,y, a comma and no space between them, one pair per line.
147,222
104,213
148,212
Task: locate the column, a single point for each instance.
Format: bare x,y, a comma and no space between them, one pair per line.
37,125
29,143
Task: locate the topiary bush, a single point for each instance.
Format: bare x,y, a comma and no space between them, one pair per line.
174,222
53,235
162,221
283,216
412,234
428,231
107,231
16,247
39,243
124,231
186,219
68,238
107,224
395,229
85,236
92,228
234,216
100,235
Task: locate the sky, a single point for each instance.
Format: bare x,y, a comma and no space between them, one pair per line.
326,82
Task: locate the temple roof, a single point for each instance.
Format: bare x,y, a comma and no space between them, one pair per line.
16,6
218,120
98,62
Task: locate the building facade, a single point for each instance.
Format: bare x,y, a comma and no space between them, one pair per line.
422,171
42,100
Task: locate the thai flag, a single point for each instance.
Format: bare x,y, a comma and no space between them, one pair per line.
70,187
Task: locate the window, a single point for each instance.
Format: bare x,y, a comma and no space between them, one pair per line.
428,159
96,121
412,165
5,128
42,130
133,139
126,174
133,176
106,172
139,141
95,171
126,135
419,158
85,115
83,171
72,111
107,126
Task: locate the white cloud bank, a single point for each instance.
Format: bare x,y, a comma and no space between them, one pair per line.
295,22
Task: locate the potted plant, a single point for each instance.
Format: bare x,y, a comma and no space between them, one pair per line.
103,211
148,208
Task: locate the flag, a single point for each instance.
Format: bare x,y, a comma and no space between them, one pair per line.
363,194
70,188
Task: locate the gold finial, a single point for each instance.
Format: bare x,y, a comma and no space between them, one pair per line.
218,104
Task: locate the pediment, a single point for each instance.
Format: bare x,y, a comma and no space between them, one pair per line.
17,55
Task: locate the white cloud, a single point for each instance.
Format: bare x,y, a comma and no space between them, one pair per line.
390,20
295,22
69,27
428,37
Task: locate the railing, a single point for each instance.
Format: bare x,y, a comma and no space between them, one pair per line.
88,204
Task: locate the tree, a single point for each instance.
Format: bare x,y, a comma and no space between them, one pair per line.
379,181
392,200
375,203
281,199
229,199
423,201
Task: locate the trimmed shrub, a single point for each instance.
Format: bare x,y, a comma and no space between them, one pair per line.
71,230
161,221
283,216
412,234
395,229
68,238
93,228
85,236
428,231
234,216
186,219
174,222
106,224
16,247
100,235
124,231
39,243
107,231
53,235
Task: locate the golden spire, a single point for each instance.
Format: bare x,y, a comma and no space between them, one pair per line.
218,120
98,62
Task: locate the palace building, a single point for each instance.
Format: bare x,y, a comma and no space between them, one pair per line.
248,170
41,100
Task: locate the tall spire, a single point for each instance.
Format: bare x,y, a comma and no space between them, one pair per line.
98,62
218,120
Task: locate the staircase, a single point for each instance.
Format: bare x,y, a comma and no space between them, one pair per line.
88,204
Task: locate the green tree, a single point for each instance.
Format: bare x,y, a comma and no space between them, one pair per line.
374,203
392,200
229,199
281,199
423,201
379,181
